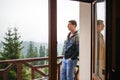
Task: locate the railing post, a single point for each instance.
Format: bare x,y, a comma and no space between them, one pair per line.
4,76
32,75
58,72
19,71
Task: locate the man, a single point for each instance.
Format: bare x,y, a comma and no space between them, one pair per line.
71,52
100,51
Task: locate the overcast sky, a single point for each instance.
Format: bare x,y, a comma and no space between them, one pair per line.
101,14
31,18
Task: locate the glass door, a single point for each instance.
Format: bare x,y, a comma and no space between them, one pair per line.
99,41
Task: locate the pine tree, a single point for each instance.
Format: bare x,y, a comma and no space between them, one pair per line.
17,44
12,46
42,54
36,52
36,55
11,50
31,53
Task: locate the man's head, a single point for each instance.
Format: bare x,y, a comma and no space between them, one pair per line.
72,24
100,25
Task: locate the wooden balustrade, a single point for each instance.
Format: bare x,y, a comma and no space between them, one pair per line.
34,68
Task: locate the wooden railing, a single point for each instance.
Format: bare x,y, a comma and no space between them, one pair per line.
20,62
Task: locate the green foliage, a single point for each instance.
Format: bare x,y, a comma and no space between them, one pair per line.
45,70
37,75
42,51
11,50
22,56
12,46
26,73
42,54
63,50
32,51
12,75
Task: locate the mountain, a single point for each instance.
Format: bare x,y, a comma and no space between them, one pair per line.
36,44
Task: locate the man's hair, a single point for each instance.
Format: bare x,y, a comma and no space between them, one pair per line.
99,22
73,22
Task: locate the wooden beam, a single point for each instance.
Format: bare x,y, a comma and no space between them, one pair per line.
52,50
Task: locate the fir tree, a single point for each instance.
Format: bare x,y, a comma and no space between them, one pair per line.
42,54
11,50
36,52
32,52
12,46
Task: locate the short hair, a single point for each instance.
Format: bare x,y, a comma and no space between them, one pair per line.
73,22
99,22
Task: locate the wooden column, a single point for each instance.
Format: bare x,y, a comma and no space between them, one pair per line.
52,39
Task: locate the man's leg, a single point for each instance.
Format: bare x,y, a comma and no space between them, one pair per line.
63,70
70,69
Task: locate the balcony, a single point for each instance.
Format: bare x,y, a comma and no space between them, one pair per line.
20,62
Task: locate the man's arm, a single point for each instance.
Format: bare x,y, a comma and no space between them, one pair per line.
76,52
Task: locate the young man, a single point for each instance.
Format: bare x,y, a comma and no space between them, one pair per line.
101,51
71,52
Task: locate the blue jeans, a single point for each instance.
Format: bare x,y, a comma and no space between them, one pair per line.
67,70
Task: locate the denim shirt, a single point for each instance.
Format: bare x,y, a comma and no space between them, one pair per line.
71,47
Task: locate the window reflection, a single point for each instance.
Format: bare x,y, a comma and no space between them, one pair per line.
100,51
99,57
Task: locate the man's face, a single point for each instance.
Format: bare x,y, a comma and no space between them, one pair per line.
70,26
102,26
